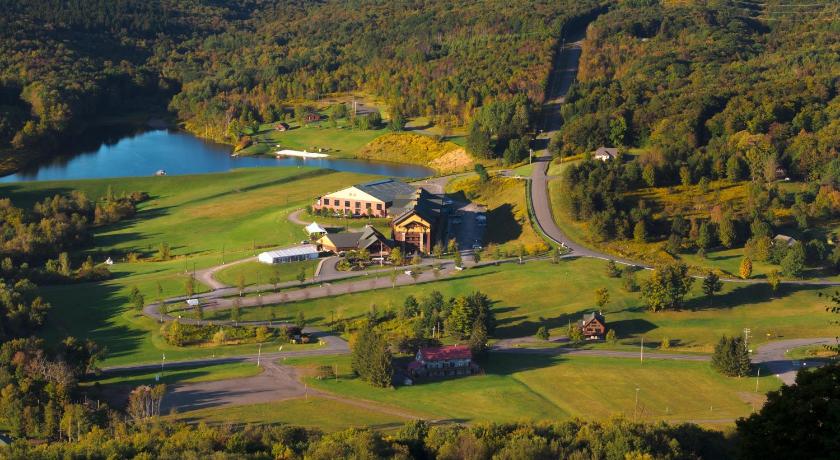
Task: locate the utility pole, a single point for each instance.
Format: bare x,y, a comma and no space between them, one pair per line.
757,375
259,354
163,360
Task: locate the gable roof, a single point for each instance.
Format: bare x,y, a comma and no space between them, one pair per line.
611,152
445,353
589,317
788,240
423,204
344,239
387,190
315,228
371,236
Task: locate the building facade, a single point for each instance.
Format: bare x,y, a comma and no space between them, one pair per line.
447,361
371,199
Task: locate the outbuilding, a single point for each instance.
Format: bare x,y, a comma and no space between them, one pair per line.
292,254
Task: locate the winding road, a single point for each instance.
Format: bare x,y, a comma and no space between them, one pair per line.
279,382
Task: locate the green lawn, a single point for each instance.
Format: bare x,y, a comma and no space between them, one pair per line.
204,218
533,387
319,413
180,374
258,272
340,142
541,293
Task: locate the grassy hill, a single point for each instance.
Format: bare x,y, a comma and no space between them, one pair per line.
443,156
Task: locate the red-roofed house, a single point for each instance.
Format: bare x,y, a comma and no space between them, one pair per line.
444,361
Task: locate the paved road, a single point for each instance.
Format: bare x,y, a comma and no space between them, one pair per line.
772,356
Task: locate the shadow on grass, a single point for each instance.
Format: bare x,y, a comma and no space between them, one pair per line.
515,326
746,294
502,225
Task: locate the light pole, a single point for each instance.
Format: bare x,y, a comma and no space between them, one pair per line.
163,360
259,354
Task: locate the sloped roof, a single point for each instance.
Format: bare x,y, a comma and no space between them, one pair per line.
612,152
589,317
315,228
387,190
345,239
302,250
422,203
446,353
371,236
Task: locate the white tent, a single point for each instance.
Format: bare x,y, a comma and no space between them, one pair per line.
291,254
314,228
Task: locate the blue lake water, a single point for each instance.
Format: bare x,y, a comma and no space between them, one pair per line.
177,153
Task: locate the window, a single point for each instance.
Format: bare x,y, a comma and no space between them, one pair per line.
337,203
379,206
367,205
358,205
346,204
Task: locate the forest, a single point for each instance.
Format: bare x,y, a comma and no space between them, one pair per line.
705,101
65,64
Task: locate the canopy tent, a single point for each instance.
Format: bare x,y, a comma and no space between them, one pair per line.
314,228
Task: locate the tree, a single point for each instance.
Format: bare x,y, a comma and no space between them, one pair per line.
798,421
478,141
437,251
745,270
611,337
370,357
602,297
667,287
236,310
274,279
189,286
705,239
726,232
483,177
612,269
478,338
451,246
300,321
731,357
301,276
685,176
575,333
397,122
396,257
639,232
144,402
711,284
774,280
457,259
649,175
793,264
542,333
416,259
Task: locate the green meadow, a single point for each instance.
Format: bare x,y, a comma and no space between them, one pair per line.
180,375
341,141
253,272
205,219
536,387
541,293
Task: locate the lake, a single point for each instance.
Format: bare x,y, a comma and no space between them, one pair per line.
177,152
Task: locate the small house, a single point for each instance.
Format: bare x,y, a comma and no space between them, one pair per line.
311,117
606,153
292,254
446,361
281,127
594,326
784,240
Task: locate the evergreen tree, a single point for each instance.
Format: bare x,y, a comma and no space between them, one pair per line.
667,287
711,284
478,141
731,357
478,338
612,269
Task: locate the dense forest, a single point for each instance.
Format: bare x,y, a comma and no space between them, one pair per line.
65,64
738,118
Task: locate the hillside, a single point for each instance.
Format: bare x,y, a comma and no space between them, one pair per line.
443,156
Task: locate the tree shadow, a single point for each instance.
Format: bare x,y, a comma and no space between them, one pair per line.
746,293
502,225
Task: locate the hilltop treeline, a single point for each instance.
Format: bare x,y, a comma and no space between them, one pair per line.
740,112
63,62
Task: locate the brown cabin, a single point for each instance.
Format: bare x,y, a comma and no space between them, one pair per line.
594,326
311,117
281,127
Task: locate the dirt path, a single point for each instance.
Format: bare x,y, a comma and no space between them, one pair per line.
207,276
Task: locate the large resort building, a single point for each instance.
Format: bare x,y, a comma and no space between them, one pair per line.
416,217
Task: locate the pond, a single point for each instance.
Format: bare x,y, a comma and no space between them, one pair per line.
177,152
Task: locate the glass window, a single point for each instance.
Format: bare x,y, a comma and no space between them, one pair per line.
379,206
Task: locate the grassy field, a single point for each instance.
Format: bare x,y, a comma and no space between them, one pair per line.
199,216
323,414
180,375
508,223
521,308
258,272
533,387
340,142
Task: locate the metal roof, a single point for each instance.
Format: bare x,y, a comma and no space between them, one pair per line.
387,190
302,250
